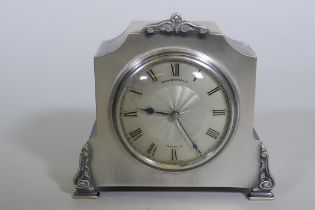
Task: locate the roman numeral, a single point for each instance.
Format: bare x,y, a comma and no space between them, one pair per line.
152,149
134,91
213,91
213,133
152,75
130,114
217,112
136,134
174,154
175,69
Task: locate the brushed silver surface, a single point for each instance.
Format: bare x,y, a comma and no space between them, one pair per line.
114,166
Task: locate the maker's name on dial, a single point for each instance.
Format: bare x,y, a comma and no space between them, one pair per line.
173,146
174,80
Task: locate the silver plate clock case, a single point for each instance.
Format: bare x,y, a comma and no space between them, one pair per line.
105,163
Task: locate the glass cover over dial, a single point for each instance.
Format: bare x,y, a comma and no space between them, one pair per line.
174,114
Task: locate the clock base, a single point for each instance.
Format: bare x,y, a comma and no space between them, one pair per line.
254,194
85,195
259,194
86,189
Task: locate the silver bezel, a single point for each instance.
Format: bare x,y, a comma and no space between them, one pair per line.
172,54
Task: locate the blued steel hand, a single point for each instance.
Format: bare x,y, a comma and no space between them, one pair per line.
180,122
151,111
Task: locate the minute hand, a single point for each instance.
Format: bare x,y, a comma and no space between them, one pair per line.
180,122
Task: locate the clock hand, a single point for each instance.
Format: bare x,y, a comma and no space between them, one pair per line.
176,116
180,122
151,111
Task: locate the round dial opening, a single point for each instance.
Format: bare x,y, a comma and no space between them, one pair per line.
174,111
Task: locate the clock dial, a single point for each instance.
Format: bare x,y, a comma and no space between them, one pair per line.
173,115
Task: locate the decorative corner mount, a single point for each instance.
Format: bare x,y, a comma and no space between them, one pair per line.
266,181
175,24
83,179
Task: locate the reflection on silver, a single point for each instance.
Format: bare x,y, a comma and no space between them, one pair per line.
198,75
143,77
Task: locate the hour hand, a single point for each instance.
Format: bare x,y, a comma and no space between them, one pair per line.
151,111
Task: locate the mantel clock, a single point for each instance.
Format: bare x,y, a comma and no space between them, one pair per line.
174,110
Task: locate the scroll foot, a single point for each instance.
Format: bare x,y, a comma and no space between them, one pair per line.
265,184
258,194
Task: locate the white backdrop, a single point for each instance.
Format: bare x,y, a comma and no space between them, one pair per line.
47,96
